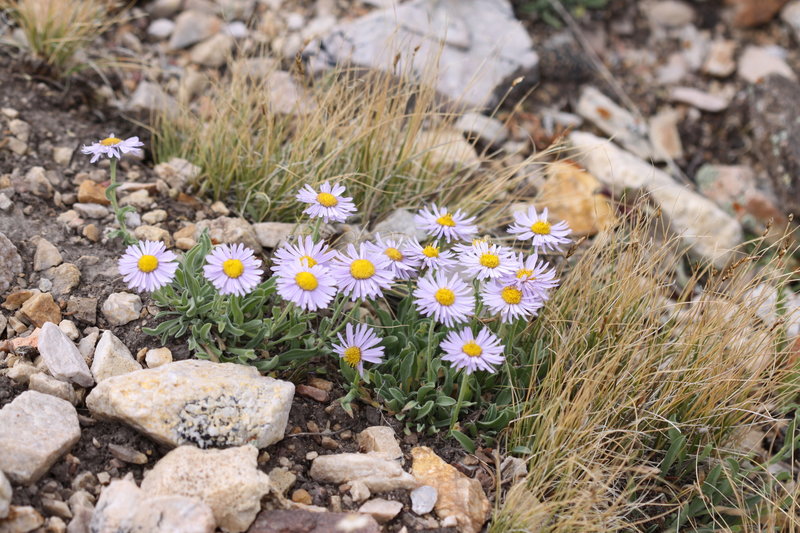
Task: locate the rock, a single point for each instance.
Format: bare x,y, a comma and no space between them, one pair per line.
139,199
314,393
121,308
271,234
17,146
21,519
572,195
612,119
791,16
213,52
158,357
90,192
720,61
124,508
65,278
281,480
376,472
674,70
41,308
400,223
160,28
669,13
423,499
37,183
41,382
749,13
229,230
381,510
286,521
380,440
154,217
198,402
758,62
475,67
112,358
5,495
46,256
302,496
21,372
11,261
177,172
487,129
69,329
127,455
153,233
713,103
664,135
446,147
5,202
150,97
20,129
91,210
83,309
286,96
777,136
459,496
192,27
227,480
35,431
709,232
62,155
164,8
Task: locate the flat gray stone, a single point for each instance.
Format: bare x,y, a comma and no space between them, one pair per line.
62,358
11,261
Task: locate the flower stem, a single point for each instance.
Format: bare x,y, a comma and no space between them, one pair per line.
463,388
119,214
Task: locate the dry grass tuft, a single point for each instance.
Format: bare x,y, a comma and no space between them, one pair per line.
636,399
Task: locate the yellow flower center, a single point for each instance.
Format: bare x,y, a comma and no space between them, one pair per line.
352,355
541,228
308,261
110,141
430,251
524,273
233,268
511,295
472,349
394,254
306,281
490,260
445,296
326,199
362,269
446,220
147,263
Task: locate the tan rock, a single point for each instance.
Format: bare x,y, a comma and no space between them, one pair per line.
90,192
21,519
380,440
375,471
41,308
153,233
459,496
446,147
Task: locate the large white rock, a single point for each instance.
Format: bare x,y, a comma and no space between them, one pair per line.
62,358
373,470
705,229
198,402
227,480
35,430
112,358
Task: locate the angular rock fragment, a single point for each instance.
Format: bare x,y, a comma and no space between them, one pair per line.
376,472
62,358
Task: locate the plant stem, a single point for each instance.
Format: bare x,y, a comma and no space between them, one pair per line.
315,231
463,388
119,214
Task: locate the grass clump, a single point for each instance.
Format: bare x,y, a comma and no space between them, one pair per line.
641,390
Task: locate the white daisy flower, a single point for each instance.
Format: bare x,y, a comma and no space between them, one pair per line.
113,146
483,260
233,269
402,265
359,345
362,273
533,276
328,203
441,223
532,226
464,349
308,287
509,301
147,266
431,256
305,252
448,301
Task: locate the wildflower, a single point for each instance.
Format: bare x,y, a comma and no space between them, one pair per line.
464,247
305,252
449,301
511,302
533,276
113,147
534,226
328,203
308,287
402,265
362,273
147,266
431,256
484,260
233,269
439,222
359,344
463,349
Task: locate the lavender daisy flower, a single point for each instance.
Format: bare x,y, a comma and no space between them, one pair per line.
147,266
463,349
510,302
534,226
328,203
362,273
113,147
533,276
305,252
233,269
431,256
483,260
449,301
440,223
402,265
308,287
359,345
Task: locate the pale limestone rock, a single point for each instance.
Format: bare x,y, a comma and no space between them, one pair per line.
488,129
614,120
35,431
177,172
381,510
664,135
713,103
192,27
158,357
121,308
46,256
21,519
380,440
271,234
446,147
46,384
199,402
400,223
227,480
62,358
112,358
11,261
376,472
229,230
213,52
5,495
423,499
758,62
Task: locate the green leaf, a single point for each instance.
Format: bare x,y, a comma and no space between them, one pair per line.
463,440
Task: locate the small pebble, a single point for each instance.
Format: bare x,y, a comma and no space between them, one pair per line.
302,496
